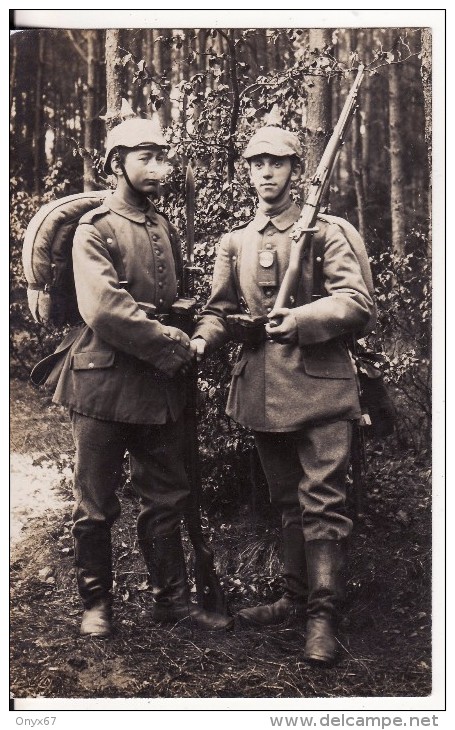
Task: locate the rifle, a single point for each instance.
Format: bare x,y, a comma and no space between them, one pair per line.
210,595
304,228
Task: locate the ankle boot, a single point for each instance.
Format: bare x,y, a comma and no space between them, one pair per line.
171,597
93,559
292,603
326,562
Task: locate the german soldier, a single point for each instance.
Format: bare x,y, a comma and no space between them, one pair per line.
293,384
122,382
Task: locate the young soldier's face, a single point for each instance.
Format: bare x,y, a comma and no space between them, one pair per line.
146,167
270,176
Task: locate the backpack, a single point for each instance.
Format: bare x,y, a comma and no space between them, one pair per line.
47,257
46,253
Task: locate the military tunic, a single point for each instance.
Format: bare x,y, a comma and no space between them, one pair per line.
122,366
281,387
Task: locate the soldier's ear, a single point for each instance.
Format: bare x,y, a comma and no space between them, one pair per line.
296,169
115,164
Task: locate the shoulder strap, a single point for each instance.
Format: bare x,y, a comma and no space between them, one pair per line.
318,268
235,249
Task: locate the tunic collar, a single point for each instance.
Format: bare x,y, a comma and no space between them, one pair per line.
118,205
282,221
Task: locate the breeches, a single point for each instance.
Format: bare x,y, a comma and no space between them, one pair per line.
157,474
306,474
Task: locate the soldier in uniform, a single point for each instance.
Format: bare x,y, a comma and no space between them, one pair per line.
122,380
293,385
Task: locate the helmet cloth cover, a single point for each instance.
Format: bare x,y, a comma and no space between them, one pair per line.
132,133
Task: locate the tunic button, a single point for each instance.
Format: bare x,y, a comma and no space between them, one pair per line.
91,365
268,245
160,284
318,259
154,237
269,309
161,301
160,268
108,240
148,223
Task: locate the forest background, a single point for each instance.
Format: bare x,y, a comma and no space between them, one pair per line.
209,89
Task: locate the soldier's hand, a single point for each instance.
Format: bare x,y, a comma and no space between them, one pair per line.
285,331
198,346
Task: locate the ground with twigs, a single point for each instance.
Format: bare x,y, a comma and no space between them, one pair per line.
385,635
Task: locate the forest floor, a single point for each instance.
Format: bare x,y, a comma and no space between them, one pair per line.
385,635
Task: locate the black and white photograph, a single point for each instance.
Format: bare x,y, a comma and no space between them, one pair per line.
223,246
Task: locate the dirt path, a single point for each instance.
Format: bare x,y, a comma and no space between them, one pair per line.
40,457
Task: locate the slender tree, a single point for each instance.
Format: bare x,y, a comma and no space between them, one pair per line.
426,74
318,122
90,110
397,194
38,132
114,78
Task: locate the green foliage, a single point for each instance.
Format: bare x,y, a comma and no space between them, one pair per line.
404,327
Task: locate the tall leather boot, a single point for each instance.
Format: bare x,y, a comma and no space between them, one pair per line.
292,602
171,597
93,559
326,562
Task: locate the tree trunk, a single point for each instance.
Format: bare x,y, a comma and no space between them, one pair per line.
364,43
235,103
89,113
357,173
163,66
38,132
426,74
12,78
397,199
114,77
356,159
318,126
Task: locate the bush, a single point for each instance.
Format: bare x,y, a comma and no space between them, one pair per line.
404,326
